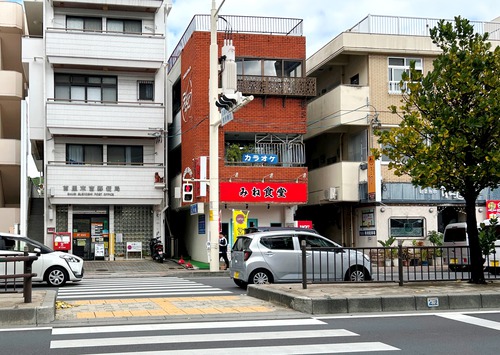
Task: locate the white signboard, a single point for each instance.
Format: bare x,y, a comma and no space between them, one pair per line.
134,246
99,250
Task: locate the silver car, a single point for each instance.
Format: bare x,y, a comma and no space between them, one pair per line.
275,256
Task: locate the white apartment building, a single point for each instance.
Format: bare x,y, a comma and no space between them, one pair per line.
97,121
12,93
352,198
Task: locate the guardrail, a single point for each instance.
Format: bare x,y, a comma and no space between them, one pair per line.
400,264
12,273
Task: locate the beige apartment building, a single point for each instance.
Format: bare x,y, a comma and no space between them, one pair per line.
358,74
12,93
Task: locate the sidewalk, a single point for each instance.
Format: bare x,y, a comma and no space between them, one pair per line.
282,300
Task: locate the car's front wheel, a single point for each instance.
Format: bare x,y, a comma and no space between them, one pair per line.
260,277
357,273
56,276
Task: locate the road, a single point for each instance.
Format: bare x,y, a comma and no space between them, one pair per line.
438,333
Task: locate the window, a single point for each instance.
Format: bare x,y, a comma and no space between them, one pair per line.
86,88
269,67
83,154
146,90
84,23
282,242
125,155
397,66
316,242
407,227
124,26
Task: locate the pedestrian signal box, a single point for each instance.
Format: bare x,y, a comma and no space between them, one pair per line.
187,192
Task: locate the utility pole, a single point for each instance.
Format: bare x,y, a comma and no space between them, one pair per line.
214,113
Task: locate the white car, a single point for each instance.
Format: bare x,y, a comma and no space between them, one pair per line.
53,267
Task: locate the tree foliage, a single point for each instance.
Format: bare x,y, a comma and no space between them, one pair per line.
449,135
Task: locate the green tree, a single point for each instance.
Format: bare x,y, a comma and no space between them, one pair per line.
449,135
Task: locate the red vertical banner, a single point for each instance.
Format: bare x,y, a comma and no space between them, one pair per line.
372,187
492,209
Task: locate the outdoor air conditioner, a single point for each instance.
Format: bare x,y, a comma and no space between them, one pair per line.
331,194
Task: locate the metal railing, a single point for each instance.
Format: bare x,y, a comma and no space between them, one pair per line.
273,85
400,264
14,275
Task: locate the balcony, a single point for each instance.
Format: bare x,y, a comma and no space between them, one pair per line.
344,105
103,184
12,85
10,171
112,5
125,119
343,177
277,86
104,49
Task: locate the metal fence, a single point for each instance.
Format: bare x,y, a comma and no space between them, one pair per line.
10,264
400,264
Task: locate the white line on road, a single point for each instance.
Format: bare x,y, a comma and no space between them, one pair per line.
460,317
184,326
280,350
198,338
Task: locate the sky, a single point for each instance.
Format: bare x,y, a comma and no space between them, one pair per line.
325,19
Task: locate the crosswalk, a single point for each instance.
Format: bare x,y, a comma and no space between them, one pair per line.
280,336
136,287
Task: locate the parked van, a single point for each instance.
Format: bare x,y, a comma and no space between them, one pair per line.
493,259
456,243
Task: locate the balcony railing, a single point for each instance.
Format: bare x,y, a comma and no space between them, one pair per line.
85,117
272,85
415,26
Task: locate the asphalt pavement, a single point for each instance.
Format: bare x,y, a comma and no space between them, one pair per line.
275,300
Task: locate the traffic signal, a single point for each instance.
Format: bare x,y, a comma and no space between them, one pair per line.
187,192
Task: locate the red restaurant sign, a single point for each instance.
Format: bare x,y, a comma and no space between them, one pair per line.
492,209
264,192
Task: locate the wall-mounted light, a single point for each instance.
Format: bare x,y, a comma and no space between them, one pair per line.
51,213
431,210
301,176
382,209
480,210
233,177
270,176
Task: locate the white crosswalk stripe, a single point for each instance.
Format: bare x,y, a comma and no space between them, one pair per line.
246,337
136,287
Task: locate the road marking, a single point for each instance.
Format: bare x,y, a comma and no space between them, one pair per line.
460,317
184,326
333,348
199,338
100,295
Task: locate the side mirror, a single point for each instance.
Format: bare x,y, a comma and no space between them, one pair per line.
37,251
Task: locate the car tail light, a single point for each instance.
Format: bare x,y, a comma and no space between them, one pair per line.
246,255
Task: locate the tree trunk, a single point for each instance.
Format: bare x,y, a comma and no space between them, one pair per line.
476,256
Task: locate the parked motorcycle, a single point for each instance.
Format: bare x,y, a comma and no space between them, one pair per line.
156,249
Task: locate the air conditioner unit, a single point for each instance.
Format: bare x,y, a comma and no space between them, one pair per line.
331,194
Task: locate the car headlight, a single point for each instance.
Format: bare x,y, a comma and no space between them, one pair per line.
70,258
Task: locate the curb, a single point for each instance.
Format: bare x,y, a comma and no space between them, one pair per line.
366,304
29,314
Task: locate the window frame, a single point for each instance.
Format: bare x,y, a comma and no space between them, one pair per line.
280,70
87,82
150,83
127,153
406,221
393,85
84,161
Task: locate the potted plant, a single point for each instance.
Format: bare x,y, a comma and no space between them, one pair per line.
388,252
436,239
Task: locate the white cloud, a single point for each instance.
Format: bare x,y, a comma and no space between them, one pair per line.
325,19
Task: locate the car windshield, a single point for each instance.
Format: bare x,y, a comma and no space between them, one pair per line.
18,244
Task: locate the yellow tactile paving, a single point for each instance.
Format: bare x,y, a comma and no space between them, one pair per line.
149,307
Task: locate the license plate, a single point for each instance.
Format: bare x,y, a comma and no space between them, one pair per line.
454,261
495,263
236,274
